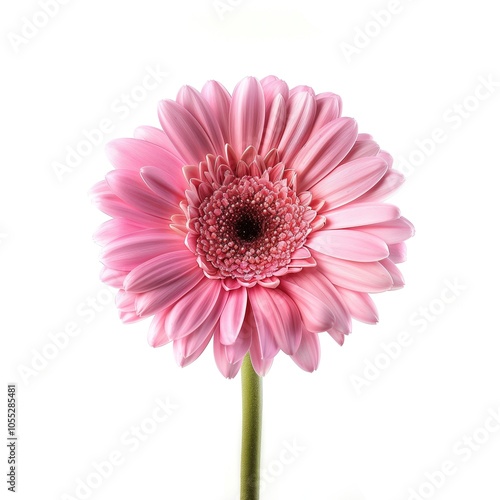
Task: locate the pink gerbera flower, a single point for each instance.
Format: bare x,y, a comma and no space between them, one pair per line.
253,220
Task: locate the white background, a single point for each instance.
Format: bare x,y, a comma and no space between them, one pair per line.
374,442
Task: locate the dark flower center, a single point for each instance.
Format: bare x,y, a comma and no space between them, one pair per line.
248,227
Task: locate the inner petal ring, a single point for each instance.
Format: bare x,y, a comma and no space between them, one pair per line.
249,228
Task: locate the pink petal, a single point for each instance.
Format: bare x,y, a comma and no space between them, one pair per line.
308,353
360,214
357,276
219,100
151,302
387,157
349,181
189,312
125,300
360,305
302,88
395,273
189,344
302,258
128,317
275,98
328,108
348,244
185,132
316,313
237,351
126,252
301,253
323,152
160,271
272,86
263,344
157,335
362,148
155,136
178,347
389,183
241,346
397,252
337,336
301,111
233,316
133,154
125,304
129,186
110,204
260,364
113,277
159,184
228,369
275,125
247,114
276,315
318,285
114,228
196,104
394,231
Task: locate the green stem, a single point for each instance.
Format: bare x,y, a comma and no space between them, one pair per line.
251,388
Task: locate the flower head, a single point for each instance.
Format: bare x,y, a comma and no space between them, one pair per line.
253,220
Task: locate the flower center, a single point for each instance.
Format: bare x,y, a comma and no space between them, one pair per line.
249,228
